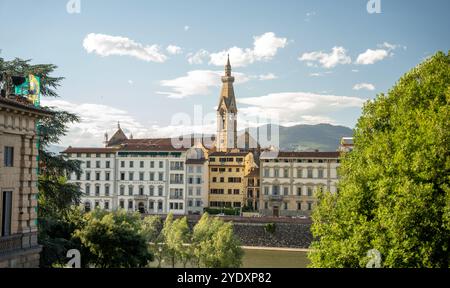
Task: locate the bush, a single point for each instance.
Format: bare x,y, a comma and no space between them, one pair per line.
270,228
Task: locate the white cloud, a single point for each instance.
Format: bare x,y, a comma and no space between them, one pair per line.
309,15
268,76
107,45
298,107
198,57
186,28
93,125
130,82
265,47
337,56
365,86
372,56
197,82
173,49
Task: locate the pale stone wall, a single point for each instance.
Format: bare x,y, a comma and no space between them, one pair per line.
17,129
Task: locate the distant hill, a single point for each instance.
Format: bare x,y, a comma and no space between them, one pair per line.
324,137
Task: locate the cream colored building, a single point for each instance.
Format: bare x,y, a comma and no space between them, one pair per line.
289,180
18,183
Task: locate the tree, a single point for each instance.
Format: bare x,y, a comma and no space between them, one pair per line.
214,244
114,239
178,240
394,192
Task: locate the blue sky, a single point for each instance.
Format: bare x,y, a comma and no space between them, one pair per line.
304,61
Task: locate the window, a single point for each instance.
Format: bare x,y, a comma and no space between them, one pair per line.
266,190
122,164
320,175
79,155
199,191
122,176
212,159
310,191
108,165
286,173
130,190
266,205
97,164
152,176
97,155
299,191
152,164
198,180
276,172
97,176
191,169
141,190
198,203
106,205
107,176
310,205
152,190
160,191
161,164
87,189
299,173
190,190
141,176
214,179
122,204
160,176
97,204
286,191
131,164
151,205
6,213
299,206
9,156
222,179
285,206
141,164
97,190
130,176
199,169
160,205
130,204
266,172
190,203
310,173
122,190
236,191
276,190
88,164
106,190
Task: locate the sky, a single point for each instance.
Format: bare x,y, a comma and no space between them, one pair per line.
155,66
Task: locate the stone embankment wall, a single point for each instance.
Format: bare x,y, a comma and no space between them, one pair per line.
286,235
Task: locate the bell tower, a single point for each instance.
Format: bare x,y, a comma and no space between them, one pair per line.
226,138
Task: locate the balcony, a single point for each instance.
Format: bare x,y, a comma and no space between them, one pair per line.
175,197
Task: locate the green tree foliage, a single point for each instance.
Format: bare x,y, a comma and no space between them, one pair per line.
214,244
114,239
394,192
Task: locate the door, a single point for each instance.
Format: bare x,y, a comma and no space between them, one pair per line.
276,211
141,208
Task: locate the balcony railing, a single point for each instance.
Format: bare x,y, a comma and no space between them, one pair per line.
275,197
175,197
10,243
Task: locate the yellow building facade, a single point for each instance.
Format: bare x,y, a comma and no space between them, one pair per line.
227,173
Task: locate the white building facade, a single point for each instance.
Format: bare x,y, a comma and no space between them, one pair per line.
290,179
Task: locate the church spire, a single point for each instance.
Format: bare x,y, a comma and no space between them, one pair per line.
228,67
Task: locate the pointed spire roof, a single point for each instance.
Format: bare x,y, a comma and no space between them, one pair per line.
227,97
